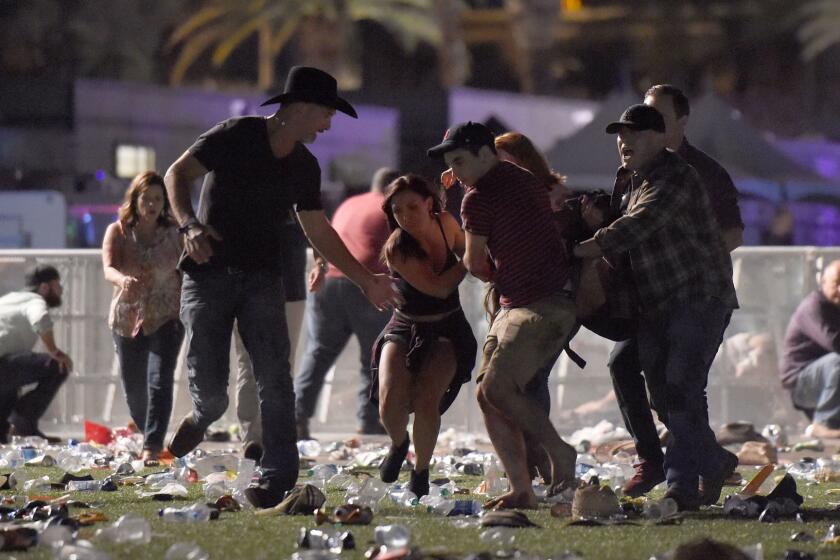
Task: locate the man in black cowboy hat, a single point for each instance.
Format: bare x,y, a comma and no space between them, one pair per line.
255,171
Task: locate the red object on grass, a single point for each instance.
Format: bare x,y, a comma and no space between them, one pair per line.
98,433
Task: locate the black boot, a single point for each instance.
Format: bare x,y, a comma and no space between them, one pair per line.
419,483
389,470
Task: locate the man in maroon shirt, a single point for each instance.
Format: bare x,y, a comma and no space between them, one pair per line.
513,242
810,365
338,309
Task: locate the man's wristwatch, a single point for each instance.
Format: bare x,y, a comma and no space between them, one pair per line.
190,223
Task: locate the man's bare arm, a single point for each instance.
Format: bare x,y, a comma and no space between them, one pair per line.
475,257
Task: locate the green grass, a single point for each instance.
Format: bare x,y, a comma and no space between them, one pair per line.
243,535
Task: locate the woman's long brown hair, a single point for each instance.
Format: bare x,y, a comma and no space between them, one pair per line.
401,241
128,215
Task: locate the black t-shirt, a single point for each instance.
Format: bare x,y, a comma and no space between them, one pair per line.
248,193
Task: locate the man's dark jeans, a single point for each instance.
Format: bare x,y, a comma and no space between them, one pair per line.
629,386
678,346
337,311
17,370
210,302
147,365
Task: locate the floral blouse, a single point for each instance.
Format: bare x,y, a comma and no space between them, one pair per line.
158,299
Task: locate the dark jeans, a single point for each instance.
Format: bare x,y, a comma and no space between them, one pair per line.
17,370
210,302
629,386
337,311
678,346
147,365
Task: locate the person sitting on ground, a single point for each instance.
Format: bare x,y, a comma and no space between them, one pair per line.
810,364
24,318
427,350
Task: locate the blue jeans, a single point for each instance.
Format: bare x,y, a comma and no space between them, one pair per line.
24,368
337,311
211,300
629,387
147,365
677,347
818,388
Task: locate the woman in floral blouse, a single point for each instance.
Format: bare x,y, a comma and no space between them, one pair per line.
140,256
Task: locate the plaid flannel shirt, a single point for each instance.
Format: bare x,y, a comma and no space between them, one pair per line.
671,236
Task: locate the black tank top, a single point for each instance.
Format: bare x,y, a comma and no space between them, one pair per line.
419,303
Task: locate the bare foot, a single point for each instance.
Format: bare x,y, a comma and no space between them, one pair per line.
562,467
521,500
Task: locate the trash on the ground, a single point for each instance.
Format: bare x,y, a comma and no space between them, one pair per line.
506,518
802,536
335,541
498,537
392,536
757,453
129,528
186,551
191,514
593,501
809,445
18,539
347,514
300,500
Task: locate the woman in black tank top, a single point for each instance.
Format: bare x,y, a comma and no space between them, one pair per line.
427,350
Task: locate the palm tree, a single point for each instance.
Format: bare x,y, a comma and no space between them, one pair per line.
325,31
820,29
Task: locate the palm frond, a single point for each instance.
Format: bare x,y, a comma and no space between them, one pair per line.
233,40
820,29
197,44
203,17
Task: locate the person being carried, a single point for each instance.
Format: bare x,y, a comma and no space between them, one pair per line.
513,242
24,319
427,350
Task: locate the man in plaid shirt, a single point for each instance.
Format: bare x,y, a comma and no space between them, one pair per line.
683,278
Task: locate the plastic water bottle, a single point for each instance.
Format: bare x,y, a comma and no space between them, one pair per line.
84,486
186,551
41,484
193,513
160,479
245,473
129,528
493,485
342,481
323,472
498,537
466,507
404,498
392,536
437,504
661,509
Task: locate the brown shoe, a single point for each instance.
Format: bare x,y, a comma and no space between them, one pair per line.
186,437
648,475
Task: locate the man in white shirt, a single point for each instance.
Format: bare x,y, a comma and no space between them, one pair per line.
25,318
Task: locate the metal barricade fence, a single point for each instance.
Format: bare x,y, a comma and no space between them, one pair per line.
770,281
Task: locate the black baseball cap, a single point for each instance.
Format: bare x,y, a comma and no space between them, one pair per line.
463,135
39,274
638,117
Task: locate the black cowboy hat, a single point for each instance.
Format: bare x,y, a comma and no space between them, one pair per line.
311,85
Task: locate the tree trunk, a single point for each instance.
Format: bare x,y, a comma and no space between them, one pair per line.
533,32
265,63
453,58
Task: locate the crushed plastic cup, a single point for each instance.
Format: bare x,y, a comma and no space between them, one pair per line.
214,490
309,448
392,536
493,482
498,537
80,550
171,489
192,514
13,459
84,486
128,529
342,481
55,536
466,507
186,551
40,484
244,473
215,462
660,509
369,492
323,472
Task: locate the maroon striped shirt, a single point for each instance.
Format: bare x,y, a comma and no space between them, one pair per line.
509,207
